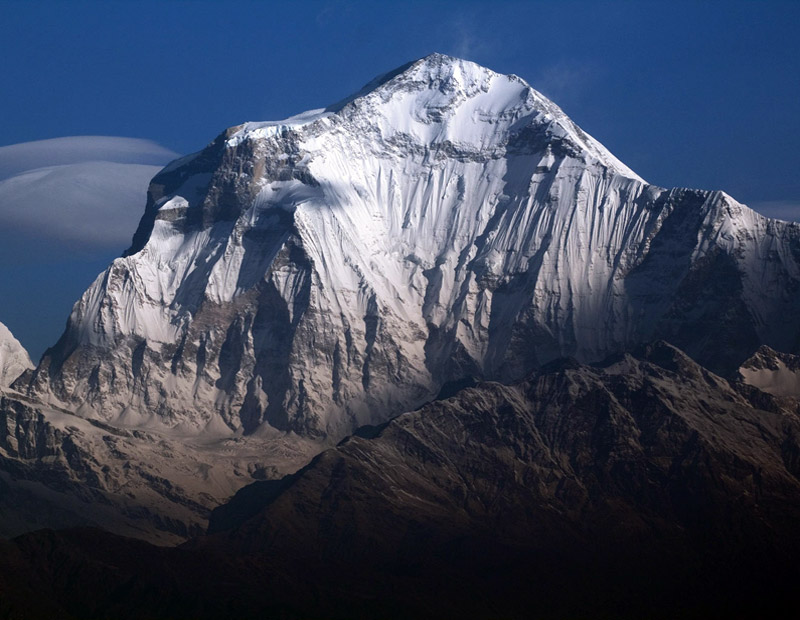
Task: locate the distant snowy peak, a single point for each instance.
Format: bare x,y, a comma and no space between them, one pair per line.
14,359
773,372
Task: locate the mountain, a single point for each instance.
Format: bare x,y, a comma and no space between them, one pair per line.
645,486
14,359
772,371
297,280
58,469
331,270
646,470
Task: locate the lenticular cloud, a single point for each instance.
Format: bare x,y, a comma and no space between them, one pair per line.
88,189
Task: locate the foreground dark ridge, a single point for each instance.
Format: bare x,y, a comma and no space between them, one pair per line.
648,487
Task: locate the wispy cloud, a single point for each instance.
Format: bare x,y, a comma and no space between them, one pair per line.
85,189
466,40
787,210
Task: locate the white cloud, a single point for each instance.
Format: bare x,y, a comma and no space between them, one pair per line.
18,158
787,210
89,189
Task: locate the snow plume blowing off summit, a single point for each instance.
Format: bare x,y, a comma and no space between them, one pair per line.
336,268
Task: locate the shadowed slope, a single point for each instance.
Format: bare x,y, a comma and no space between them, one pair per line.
648,487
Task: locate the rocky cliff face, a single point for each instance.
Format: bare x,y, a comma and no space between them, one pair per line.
334,269
60,470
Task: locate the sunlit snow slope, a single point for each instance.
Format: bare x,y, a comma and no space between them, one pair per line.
339,267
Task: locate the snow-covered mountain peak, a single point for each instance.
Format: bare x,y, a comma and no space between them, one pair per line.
440,101
451,77
331,269
462,101
14,359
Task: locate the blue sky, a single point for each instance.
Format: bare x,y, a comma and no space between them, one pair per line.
698,94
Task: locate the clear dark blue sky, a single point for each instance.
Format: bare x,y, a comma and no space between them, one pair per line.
699,94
